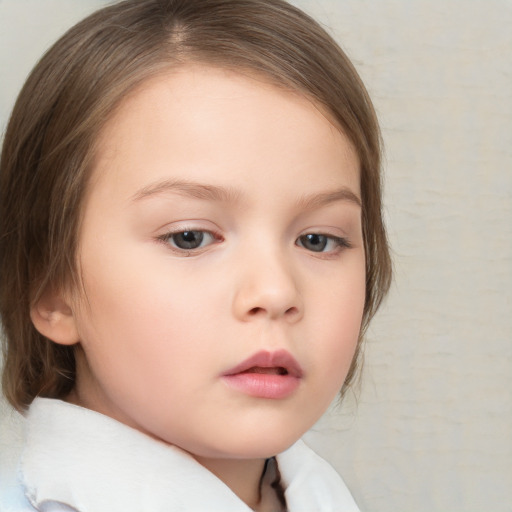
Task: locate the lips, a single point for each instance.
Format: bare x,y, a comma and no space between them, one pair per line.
271,375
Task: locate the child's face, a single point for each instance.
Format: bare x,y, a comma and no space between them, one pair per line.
195,256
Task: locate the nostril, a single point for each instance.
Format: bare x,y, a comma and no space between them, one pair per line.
259,311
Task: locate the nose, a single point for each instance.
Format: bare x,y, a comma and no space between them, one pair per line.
267,288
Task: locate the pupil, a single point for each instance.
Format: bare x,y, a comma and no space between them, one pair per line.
189,236
315,242
189,239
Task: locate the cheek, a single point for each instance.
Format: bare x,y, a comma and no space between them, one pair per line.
342,334
339,315
144,315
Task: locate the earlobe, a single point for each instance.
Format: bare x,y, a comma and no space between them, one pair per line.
53,318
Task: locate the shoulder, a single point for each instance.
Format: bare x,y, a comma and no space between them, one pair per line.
312,483
12,434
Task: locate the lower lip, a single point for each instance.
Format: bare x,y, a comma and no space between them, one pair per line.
263,385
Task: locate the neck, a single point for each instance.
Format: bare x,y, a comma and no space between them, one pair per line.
242,476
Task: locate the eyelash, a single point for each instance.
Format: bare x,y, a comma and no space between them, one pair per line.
340,243
167,238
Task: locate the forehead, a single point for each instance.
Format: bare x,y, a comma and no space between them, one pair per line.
238,124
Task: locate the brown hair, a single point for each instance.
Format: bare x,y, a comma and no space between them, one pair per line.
48,149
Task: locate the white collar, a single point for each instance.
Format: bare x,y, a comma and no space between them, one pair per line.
119,469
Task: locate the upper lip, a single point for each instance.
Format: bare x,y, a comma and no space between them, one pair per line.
265,359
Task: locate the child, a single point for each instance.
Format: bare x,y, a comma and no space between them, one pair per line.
191,246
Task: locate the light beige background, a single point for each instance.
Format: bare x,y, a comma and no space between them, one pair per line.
432,428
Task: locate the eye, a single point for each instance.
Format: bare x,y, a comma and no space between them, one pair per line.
189,240
317,242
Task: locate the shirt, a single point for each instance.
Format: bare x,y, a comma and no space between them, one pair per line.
73,458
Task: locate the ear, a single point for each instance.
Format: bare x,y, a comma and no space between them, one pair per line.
53,317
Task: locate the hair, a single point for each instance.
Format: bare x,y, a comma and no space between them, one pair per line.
49,146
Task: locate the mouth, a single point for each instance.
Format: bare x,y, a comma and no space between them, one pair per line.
280,362
271,375
267,371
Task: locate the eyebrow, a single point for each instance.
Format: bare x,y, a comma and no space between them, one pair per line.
188,188
226,194
314,201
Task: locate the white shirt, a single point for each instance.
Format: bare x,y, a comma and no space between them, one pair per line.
74,457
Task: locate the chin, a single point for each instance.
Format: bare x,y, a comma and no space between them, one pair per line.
260,444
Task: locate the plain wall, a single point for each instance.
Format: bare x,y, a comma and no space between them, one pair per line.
431,428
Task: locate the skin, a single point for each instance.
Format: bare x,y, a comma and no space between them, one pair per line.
157,326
